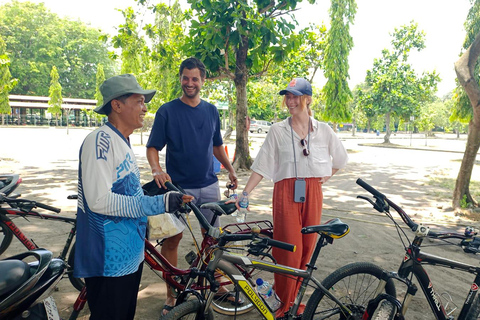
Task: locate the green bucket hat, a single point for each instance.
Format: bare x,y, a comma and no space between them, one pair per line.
117,86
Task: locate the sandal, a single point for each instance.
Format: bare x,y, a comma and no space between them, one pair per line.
228,297
166,308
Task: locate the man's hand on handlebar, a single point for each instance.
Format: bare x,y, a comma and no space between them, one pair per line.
160,178
175,200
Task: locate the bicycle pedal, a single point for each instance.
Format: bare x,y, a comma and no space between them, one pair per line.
190,257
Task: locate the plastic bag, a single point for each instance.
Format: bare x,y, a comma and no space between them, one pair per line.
163,225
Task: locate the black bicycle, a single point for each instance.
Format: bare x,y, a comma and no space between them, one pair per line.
343,295
385,306
11,205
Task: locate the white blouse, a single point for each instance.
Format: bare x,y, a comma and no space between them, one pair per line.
275,160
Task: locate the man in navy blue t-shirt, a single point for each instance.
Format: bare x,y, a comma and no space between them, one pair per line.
190,128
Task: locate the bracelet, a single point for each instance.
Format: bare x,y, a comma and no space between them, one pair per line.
156,173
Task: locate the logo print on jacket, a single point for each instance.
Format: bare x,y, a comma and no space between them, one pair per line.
103,145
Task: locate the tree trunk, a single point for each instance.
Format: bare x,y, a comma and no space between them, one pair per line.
464,175
386,139
354,127
465,69
242,153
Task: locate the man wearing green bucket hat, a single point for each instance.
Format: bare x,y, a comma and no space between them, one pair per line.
112,209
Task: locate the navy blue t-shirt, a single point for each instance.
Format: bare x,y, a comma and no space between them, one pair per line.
189,134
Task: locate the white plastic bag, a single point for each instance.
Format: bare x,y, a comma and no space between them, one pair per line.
164,225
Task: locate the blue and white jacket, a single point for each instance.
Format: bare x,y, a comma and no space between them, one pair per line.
112,210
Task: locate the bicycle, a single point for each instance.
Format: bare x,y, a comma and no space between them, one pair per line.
176,278
181,279
25,208
389,307
342,295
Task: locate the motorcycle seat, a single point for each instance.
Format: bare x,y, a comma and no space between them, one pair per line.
13,273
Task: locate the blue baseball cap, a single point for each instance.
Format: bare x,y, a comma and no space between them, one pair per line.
298,87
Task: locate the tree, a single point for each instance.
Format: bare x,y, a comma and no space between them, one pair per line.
6,81
336,91
238,40
466,69
37,40
55,94
396,90
100,78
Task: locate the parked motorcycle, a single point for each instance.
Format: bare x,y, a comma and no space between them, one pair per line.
25,286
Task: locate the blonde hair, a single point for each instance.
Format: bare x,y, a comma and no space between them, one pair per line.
305,102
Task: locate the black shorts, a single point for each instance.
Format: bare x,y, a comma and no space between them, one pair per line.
113,298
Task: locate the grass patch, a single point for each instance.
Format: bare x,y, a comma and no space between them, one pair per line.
448,184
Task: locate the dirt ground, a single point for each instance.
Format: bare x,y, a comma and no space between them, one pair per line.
47,160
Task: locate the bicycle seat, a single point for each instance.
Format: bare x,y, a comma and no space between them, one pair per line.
333,228
13,273
220,207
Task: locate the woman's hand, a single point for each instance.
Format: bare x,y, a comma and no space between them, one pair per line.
324,179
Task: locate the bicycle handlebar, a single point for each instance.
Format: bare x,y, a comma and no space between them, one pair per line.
201,218
225,237
29,204
382,198
405,217
47,207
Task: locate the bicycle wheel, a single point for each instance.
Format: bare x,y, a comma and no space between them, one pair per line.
385,311
187,310
354,285
78,283
227,304
474,312
6,236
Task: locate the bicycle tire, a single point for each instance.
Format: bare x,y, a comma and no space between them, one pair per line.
354,285
78,283
474,312
186,310
385,311
6,236
225,306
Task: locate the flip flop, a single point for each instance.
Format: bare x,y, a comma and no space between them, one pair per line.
168,308
225,296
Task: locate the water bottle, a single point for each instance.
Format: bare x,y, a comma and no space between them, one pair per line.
234,197
243,203
265,290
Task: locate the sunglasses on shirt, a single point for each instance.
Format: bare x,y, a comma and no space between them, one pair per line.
304,144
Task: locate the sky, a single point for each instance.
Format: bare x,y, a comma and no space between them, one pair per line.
442,21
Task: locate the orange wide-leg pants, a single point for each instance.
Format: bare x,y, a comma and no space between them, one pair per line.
289,218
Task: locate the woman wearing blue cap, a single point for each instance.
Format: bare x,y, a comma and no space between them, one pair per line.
305,153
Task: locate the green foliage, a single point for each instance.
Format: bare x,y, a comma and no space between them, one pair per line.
339,44
394,87
6,81
464,203
100,78
462,110
154,62
224,26
55,94
433,114
237,40
167,36
129,40
37,40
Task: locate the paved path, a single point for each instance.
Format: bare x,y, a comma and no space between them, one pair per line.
46,158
